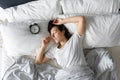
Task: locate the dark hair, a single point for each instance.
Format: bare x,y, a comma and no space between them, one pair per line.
60,27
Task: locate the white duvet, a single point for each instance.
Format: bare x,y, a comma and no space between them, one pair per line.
25,69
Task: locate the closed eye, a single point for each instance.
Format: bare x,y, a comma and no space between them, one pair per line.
54,32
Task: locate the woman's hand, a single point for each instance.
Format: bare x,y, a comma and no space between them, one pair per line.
45,42
58,21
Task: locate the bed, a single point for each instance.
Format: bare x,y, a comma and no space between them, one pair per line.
101,36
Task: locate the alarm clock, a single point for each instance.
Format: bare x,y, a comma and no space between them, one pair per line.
34,28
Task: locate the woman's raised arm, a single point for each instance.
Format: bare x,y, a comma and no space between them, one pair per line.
78,20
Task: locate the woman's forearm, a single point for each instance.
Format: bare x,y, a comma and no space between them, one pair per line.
80,23
40,55
73,19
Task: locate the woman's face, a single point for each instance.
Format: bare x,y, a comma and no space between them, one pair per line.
57,35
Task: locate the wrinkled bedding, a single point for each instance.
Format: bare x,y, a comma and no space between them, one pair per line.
75,73
25,69
102,63
98,60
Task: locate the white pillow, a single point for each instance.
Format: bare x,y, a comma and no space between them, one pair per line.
18,40
2,19
101,30
38,9
2,15
90,6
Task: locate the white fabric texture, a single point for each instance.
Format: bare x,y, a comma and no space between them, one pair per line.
2,15
101,30
0,62
71,54
25,69
38,9
101,62
1,40
75,73
6,62
2,19
119,4
18,40
90,6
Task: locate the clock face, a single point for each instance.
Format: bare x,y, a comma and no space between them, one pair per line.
34,28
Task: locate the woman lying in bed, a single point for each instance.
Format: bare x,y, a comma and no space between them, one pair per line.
69,49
